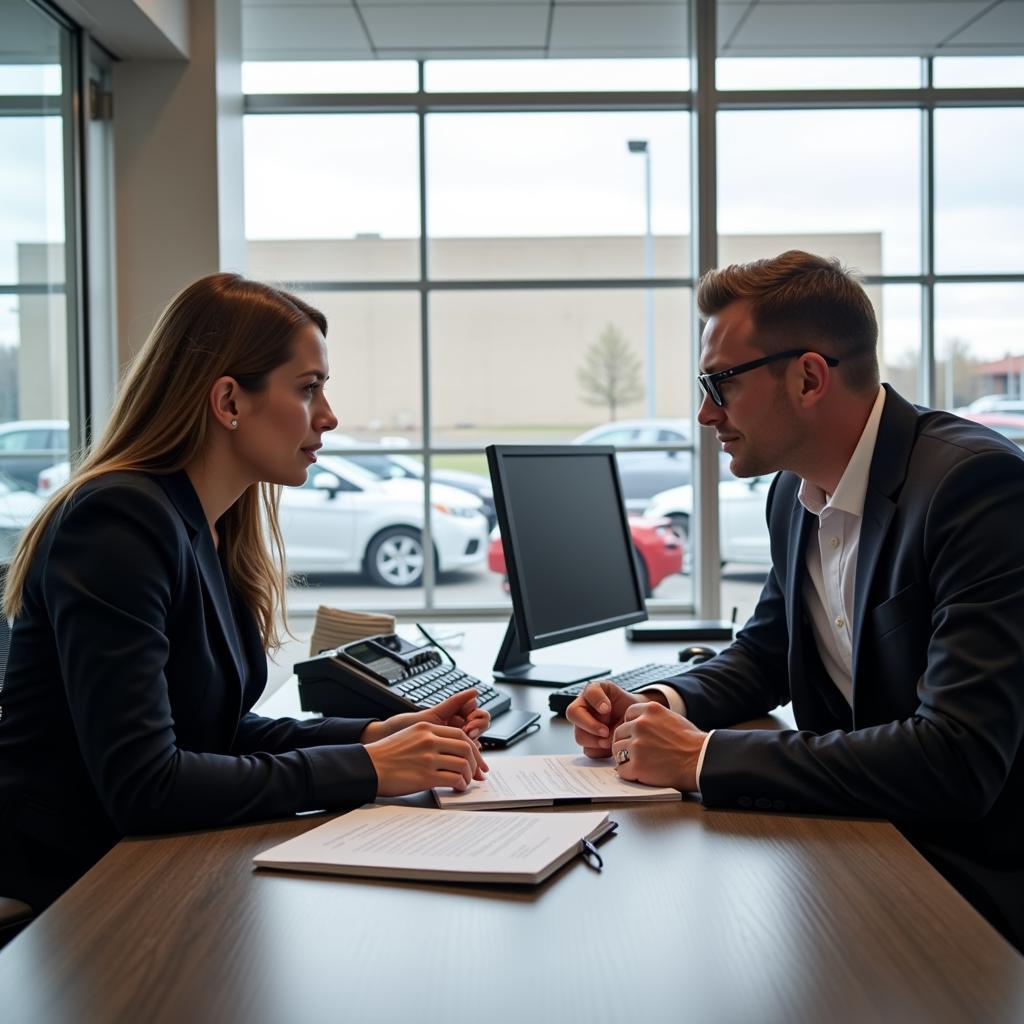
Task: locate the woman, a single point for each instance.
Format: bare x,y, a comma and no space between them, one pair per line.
145,598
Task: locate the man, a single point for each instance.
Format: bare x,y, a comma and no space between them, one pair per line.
893,615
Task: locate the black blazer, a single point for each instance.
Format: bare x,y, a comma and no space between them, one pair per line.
933,741
126,705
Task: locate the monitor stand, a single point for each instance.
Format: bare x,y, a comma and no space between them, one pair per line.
513,665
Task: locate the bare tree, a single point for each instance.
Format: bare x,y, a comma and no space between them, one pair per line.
610,374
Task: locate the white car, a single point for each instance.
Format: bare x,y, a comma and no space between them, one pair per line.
345,519
18,508
741,504
27,446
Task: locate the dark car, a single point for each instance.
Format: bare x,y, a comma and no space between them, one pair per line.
644,474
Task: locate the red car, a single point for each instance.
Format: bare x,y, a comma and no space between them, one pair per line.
1009,424
658,546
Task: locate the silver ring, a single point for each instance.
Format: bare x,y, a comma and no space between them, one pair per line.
621,756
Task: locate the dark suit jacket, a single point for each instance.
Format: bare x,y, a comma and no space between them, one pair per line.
126,705
934,736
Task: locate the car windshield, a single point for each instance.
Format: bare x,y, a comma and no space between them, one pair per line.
348,470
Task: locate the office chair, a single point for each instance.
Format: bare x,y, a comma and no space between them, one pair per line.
14,914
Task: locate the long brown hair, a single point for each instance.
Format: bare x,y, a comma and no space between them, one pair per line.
223,325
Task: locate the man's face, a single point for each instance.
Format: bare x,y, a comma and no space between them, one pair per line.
758,425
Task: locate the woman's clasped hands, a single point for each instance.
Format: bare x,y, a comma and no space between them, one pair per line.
423,749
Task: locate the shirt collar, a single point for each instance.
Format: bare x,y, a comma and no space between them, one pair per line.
853,484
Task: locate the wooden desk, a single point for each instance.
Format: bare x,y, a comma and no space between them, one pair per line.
698,915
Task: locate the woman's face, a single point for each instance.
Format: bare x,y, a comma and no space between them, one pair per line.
279,427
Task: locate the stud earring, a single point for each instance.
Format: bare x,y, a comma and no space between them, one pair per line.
234,424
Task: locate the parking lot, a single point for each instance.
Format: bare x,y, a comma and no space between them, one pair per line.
472,588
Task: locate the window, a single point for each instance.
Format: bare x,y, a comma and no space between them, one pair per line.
505,250
38,273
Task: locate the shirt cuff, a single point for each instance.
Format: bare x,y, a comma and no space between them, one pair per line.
674,697
700,760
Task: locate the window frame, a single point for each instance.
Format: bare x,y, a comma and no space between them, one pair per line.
703,101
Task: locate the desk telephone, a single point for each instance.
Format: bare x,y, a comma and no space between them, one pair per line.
385,675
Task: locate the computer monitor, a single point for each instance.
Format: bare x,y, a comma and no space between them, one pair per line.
568,554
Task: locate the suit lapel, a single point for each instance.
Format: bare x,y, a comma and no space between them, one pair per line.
897,432
179,489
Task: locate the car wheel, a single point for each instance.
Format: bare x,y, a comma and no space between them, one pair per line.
641,571
394,557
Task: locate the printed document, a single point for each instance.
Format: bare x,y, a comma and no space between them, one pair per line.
395,841
549,779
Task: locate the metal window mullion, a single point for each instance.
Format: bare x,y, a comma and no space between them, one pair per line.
866,99
426,416
704,256
72,100
461,103
927,385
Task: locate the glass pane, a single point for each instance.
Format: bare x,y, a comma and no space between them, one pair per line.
664,74
373,343
979,353
817,72
898,308
473,574
580,355
323,76
333,197
355,529
978,71
813,180
592,345
355,537
30,80
33,306
979,203
558,195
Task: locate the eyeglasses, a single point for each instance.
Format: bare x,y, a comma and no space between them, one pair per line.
709,381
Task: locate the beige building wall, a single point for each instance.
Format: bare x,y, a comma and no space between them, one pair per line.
504,363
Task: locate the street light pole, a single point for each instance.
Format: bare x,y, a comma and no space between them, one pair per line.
642,146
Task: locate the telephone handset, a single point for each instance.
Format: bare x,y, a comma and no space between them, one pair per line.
386,675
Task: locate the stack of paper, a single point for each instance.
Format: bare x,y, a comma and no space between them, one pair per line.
414,842
550,779
335,627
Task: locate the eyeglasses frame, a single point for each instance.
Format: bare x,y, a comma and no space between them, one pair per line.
708,382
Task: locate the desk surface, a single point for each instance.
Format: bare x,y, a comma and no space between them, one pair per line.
698,915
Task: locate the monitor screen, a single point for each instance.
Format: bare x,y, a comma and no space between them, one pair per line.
566,540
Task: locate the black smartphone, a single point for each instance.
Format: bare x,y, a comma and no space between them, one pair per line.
509,727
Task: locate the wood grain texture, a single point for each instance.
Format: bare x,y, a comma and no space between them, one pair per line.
724,916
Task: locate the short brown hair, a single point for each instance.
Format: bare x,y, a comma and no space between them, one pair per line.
802,299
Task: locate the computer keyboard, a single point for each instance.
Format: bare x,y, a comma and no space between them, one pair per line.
431,687
633,680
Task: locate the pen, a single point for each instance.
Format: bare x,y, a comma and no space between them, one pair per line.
588,851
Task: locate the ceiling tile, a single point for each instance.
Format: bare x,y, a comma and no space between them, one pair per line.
1003,26
835,28
616,28
292,32
455,26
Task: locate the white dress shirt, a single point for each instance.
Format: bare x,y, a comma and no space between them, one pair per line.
831,567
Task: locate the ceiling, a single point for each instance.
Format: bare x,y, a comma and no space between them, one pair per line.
396,29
